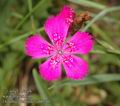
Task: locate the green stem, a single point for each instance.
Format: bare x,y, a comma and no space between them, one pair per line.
31,17
101,14
28,15
89,3
109,48
20,37
42,89
94,79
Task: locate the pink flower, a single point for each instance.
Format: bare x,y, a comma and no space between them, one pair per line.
61,51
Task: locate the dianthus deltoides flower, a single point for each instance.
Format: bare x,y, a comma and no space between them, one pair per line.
61,51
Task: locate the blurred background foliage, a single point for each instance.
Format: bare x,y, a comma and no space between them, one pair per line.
21,18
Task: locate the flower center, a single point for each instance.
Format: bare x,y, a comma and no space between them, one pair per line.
60,52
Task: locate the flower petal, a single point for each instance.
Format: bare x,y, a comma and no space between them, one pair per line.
37,47
80,43
51,69
67,14
57,29
75,67
57,26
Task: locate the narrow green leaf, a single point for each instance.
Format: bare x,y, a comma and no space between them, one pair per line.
105,44
20,37
29,14
42,89
107,18
100,15
101,33
89,3
31,17
5,13
95,79
109,47
17,15
98,52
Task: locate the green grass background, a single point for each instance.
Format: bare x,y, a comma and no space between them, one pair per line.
21,18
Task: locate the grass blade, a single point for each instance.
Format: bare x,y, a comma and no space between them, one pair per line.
30,13
95,79
42,89
20,37
89,4
109,48
101,14
32,17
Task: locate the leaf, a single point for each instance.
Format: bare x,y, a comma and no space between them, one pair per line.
42,10
95,79
20,37
5,12
37,6
109,47
89,3
42,88
110,59
100,15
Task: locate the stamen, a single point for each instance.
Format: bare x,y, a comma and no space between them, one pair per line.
68,60
45,49
54,61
